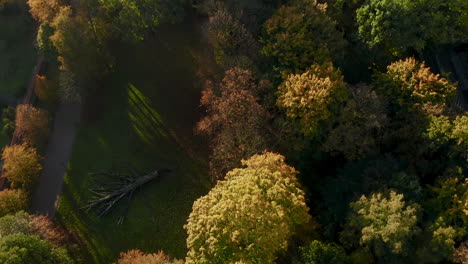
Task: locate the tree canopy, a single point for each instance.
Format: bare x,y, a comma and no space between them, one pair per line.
233,222
22,165
401,25
313,96
300,34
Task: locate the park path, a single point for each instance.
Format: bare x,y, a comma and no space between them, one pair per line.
56,159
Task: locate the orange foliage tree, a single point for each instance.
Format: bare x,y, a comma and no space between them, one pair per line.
235,120
32,124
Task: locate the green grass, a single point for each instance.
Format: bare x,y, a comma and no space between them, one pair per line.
146,118
16,52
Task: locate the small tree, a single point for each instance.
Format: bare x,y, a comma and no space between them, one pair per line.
249,216
22,248
135,256
312,97
383,223
15,223
32,124
322,253
21,164
12,201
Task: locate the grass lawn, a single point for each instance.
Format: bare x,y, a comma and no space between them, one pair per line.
16,51
146,118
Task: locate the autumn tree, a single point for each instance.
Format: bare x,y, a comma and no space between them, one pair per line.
249,216
383,223
235,121
399,26
449,200
323,253
44,11
300,34
32,124
12,201
21,165
135,256
461,253
23,248
409,82
313,96
360,125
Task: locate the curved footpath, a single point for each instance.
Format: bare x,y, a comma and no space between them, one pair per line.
58,153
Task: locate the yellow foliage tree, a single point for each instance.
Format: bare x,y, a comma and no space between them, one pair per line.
313,96
12,201
21,164
249,216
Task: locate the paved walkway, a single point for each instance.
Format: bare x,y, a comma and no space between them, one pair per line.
57,155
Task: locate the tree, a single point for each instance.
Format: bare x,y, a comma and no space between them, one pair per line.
32,124
450,200
133,19
323,253
44,11
135,256
409,82
461,253
313,96
300,34
12,201
234,45
44,42
21,164
8,121
235,121
399,26
383,223
15,223
22,248
360,125
249,216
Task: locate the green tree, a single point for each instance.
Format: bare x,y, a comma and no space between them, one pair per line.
300,34
22,248
412,24
383,223
21,165
134,19
323,253
12,201
360,125
14,224
249,216
313,96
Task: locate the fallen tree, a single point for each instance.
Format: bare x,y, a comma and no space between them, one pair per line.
119,186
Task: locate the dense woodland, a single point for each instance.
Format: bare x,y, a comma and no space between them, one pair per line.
332,138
